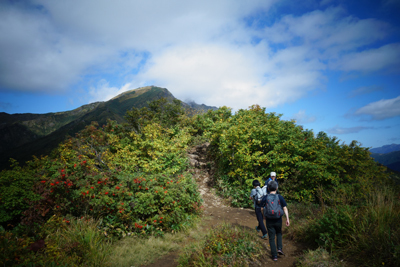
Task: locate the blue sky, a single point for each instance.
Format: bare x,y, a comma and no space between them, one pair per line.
331,65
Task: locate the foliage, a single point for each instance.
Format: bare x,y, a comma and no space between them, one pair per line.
78,242
15,192
335,227
13,248
139,251
226,245
159,111
91,176
370,229
251,143
318,257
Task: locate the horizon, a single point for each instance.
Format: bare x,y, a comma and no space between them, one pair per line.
331,65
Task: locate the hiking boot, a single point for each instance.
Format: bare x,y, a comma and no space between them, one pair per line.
265,236
257,229
280,252
275,258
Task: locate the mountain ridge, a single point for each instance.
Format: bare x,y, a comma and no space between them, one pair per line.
385,149
23,135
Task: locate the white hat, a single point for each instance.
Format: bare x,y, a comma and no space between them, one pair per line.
273,174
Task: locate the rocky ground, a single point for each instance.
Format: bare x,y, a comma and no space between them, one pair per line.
217,211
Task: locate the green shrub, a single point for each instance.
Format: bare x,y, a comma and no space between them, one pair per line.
251,143
15,192
334,228
371,229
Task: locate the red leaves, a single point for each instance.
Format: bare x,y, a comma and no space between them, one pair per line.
139,226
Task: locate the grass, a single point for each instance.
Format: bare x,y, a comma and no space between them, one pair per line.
81,243
137,251
225,245
371,232
318,258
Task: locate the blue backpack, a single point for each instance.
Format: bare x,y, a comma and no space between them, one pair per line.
259,196
272,206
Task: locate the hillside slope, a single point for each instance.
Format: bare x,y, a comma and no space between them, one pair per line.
25,135
391,160
385,149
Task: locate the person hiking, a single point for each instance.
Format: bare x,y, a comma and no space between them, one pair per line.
256,195
273,211
271,178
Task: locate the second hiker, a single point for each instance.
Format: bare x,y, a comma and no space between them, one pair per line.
256,195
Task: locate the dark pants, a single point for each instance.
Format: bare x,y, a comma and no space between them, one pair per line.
260,220
274,228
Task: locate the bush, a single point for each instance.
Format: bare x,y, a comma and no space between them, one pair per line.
15,193
251,143
371,229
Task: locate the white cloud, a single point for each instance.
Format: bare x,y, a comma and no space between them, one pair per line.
235,76
365,90
328,31
382,109
200,50
55,43
103,91
385,57
302,118
347,130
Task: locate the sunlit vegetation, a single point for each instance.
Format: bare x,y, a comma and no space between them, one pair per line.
130,181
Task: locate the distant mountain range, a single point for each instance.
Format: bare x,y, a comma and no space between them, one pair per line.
25,135
388,155
385,149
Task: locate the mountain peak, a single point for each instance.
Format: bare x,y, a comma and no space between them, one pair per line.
137,91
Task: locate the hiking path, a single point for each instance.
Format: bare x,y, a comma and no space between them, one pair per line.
217,211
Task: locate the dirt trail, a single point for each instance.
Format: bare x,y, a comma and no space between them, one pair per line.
217,211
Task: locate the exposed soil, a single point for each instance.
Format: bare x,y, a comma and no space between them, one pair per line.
217,211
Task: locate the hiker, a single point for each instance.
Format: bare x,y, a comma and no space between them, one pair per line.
256,194
273,211
272,178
